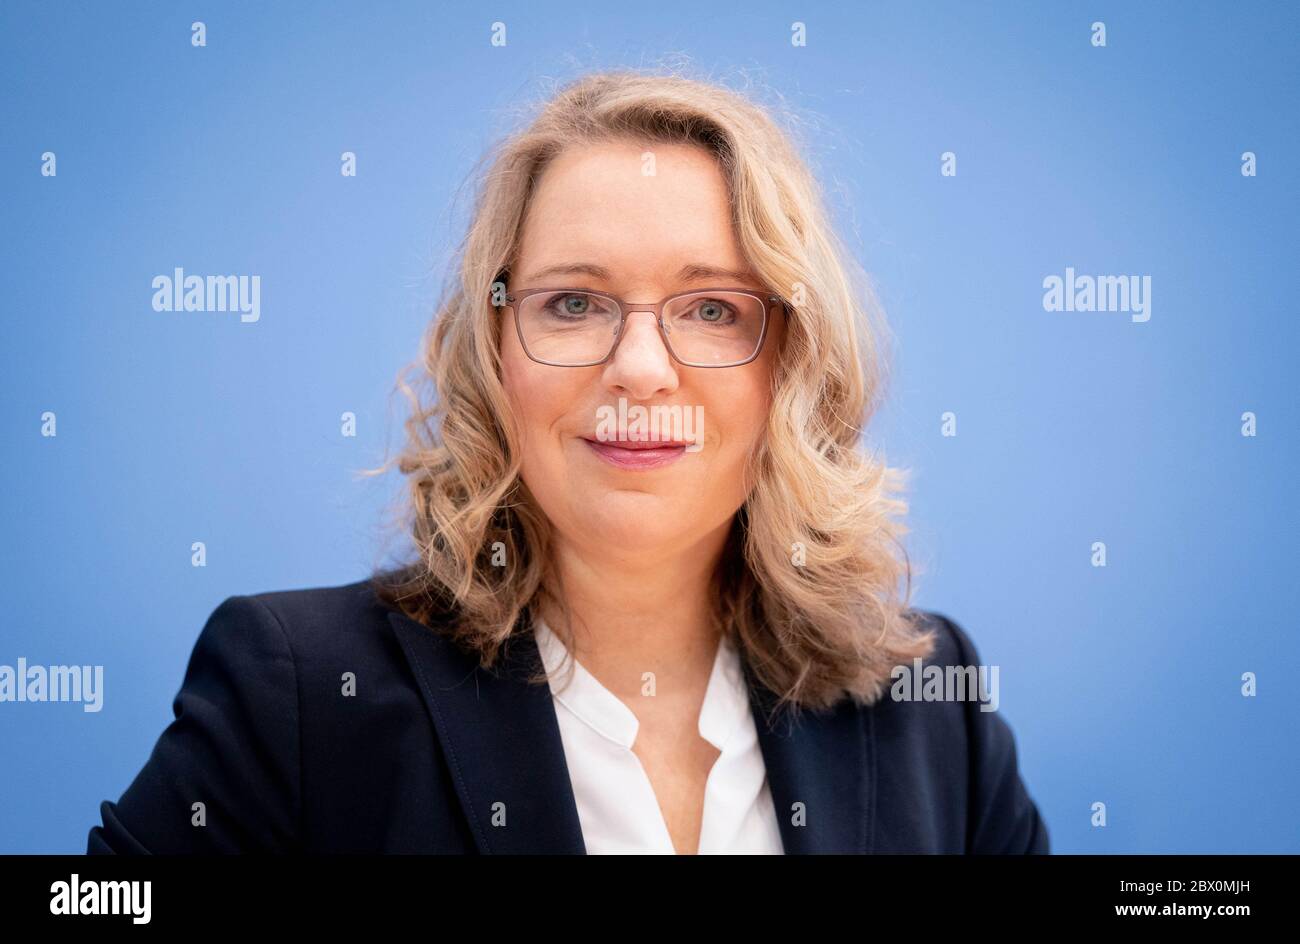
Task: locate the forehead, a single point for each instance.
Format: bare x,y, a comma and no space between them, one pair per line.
631,206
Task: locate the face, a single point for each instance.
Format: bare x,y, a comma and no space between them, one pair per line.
598,223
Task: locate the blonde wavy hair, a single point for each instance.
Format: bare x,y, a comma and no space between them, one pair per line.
809,581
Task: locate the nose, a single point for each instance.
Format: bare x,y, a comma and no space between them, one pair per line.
641,367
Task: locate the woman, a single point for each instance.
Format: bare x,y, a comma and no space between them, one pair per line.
654,605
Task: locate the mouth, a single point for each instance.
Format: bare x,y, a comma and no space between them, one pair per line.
637,455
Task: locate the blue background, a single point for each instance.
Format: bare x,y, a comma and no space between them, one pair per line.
1122,684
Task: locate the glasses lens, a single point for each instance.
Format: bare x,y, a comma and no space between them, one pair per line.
568,327
715,329
705,329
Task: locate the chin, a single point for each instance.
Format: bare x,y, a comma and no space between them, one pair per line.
628,518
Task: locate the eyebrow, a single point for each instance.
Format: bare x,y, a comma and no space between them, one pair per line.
691,272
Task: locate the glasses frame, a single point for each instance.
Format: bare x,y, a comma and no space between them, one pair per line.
625,308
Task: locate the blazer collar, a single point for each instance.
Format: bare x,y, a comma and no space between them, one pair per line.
503,746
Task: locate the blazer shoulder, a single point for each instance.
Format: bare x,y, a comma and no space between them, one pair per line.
952,644
226,774
1003,818
337,618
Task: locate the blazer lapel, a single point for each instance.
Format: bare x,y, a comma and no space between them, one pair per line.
503,746
823,761
502,741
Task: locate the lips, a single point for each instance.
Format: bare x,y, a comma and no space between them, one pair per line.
637,455
641,443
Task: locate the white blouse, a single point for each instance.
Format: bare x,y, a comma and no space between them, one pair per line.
616,803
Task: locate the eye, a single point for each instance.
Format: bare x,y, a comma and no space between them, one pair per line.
571,306
712,311
576,304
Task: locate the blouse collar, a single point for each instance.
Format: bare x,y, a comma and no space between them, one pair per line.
726,699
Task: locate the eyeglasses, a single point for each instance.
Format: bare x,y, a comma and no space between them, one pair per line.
711,327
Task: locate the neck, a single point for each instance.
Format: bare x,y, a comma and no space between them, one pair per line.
639,610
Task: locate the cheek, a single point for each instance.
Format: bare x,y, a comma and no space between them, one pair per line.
529,404
735,422
541,400
514,376
524,383
738,415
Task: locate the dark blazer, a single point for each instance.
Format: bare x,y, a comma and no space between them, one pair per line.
418,759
